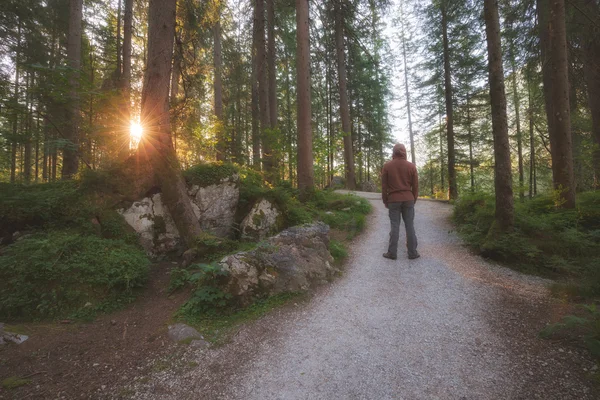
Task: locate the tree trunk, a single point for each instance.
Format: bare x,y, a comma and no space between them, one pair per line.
157,144
27,136
126,78
408,113
591,69
15,119
532,184
218,90
503,177
175,76
518,122
263,92
71,131
255,107
127,34
452,186
119,40
553,43
342,86
470,136
271,58
305,156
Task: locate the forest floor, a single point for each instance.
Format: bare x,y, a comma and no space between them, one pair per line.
447,326
71,360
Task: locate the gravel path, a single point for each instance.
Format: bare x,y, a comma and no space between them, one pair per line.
445,326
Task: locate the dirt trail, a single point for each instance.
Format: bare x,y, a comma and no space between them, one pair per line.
445,326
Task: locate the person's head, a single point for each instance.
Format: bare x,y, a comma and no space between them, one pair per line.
399,151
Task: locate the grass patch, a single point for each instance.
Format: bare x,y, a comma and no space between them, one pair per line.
548,241
217,327
340,211
212,248
208,174
14,382
338,250
59,273
585,325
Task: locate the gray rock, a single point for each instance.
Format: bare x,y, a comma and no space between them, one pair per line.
294,260
368,186
261,221
180,332
215,205
153,224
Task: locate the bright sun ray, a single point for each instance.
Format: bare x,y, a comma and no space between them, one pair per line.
136,132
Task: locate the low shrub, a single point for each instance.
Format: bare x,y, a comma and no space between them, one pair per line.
209,173
585,325
338,250
58,273
207,296
546,240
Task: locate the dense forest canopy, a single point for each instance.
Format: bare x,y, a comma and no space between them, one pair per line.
305,91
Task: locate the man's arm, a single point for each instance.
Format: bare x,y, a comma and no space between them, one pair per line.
415,185
384,186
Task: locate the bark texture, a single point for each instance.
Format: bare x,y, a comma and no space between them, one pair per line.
218,90
157,145
71,131
503,175
343,89
263,91
591,69
452,187
555,72
305,156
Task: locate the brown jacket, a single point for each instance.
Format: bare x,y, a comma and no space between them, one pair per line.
399,179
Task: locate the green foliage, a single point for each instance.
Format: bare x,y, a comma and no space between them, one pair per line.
207,297
212,248
14,382
23,206
217,326
546,240
56,273
341,211
338,250
209,174
587,326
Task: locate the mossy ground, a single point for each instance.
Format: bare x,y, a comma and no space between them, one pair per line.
549,241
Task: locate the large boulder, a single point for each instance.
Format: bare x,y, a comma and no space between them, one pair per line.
215,205
294,260
261,221
154,225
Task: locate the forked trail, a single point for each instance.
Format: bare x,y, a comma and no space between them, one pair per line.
445,326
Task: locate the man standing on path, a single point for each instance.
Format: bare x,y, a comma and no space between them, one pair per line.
400,190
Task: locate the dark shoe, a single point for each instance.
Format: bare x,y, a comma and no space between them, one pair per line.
414,257
390,256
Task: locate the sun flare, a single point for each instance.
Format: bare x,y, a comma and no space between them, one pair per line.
136,132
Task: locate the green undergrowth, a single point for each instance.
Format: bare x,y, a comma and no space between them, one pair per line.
584,324
212,311
209,173
60,273
77,256
338,250
549,241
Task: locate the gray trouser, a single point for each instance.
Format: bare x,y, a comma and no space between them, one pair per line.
398,211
